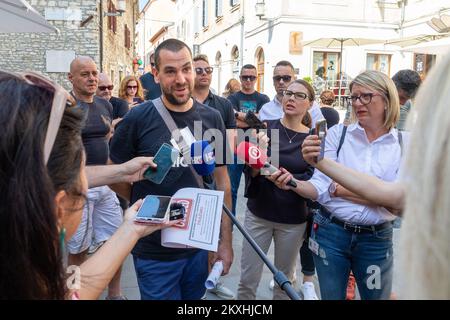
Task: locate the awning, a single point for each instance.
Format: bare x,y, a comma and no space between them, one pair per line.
19,16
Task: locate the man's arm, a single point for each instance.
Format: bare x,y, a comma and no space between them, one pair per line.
225,251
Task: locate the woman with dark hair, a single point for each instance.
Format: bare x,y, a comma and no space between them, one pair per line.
42,193
274,214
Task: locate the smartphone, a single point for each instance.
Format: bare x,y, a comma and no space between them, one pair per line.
321,131
154,209
164,159
177,211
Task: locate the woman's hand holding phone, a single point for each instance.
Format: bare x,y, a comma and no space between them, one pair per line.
142,229
311,149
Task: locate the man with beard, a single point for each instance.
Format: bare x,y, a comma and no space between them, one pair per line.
170,273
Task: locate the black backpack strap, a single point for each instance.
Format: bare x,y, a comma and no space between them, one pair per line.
400,141
341,142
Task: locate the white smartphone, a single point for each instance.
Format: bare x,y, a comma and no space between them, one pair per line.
154,209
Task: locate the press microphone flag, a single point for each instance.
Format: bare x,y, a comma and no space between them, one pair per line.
257,159
202,157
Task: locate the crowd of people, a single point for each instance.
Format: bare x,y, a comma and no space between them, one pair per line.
72,163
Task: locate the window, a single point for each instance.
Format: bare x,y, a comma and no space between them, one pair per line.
127,37
260,70
218,67
325,67
218,8
379,62
112,21
423,63
205,14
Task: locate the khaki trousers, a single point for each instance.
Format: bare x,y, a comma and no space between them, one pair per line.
288,239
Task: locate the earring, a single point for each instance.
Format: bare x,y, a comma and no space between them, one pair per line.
62,237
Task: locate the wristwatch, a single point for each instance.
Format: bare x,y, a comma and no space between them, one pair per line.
332,189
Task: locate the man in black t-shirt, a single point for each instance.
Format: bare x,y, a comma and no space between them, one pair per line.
104,90
248,99
151,88
102,214
169,273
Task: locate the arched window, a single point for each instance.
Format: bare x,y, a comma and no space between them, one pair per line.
260,69
235,62
219,71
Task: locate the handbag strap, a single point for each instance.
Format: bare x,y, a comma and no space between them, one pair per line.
176,135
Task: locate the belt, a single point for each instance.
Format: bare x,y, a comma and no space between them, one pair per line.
355,228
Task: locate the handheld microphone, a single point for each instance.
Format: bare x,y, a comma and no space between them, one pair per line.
255,158
203,159
203,162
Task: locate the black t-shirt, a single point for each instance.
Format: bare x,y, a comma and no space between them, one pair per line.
140,133
331,115
151,88
248,102
120,107
224,107
265,199
98,115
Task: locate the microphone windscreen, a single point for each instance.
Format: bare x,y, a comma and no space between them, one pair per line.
251,154
202,157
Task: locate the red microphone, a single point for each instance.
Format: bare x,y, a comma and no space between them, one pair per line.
255,158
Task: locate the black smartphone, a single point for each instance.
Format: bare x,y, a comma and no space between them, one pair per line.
154,209
164,159
177,211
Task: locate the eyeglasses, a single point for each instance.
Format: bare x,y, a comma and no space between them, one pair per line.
248,78
103,88
60,99
132,87
284,78
207,70
364,98
297,95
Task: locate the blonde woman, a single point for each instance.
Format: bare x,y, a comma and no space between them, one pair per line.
231,87
349,233
131,91
422,194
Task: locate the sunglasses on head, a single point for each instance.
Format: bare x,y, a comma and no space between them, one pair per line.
248,78
284,78
103,88
207,70
61,98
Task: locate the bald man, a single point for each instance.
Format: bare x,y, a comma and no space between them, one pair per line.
102,214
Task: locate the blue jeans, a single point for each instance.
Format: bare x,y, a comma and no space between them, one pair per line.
235,173
182,279
368,255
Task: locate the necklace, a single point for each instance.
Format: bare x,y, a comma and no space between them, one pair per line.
289,138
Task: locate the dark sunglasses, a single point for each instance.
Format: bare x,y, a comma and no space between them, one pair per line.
248,78
132,87
284,78
103,88
207,70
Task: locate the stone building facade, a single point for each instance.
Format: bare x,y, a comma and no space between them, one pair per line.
83,31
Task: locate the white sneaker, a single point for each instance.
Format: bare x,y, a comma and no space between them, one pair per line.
222,292
271,284
309,293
